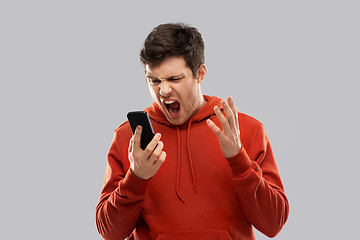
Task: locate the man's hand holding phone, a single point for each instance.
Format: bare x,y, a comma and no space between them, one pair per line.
145,163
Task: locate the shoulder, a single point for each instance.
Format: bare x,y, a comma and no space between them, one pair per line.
123,130
253,136
123,126
251,130
249,122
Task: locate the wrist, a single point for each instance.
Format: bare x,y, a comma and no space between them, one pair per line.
132,185
240,163
235,151
141,176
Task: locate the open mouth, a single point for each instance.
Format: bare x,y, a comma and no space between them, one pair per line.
173,107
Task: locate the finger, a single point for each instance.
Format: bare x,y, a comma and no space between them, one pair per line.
223,120
150,147
235,111
232,105
157,151
237,119
214,128
229,115
137,137
131,143
160,160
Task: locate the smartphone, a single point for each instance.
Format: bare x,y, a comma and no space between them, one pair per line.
137,118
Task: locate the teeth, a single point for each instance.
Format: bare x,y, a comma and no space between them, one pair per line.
169,101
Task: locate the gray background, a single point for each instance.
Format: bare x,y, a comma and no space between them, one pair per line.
70,73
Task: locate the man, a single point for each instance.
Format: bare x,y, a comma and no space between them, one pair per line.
209,172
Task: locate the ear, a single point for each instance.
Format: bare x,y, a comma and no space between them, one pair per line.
201,73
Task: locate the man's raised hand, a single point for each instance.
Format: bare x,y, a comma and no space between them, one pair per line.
229,136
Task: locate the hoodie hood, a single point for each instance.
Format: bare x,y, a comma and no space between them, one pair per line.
156,113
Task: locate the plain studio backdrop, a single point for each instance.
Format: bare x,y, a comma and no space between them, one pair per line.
70,72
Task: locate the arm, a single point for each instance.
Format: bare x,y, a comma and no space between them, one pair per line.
125,185
259,187
256,179
121,198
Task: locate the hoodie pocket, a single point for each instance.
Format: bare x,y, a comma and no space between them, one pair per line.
216,234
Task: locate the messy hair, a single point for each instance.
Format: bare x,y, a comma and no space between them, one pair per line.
173,39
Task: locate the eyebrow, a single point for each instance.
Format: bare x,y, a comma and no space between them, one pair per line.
150,76
171,76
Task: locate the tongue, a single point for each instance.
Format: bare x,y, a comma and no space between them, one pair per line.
173,108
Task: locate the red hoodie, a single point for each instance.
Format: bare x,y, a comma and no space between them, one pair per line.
197,193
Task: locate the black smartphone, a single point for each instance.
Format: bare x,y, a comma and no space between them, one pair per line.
137,118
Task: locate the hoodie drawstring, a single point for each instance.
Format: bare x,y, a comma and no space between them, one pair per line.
178,165
190,159
179,162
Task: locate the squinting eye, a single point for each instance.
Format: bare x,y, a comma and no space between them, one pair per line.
154,81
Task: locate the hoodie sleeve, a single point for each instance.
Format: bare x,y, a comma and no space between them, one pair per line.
122,196
258,184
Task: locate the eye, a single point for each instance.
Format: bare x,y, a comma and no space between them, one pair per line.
175,79
154,81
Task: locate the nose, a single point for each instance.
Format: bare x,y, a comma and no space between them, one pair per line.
165,89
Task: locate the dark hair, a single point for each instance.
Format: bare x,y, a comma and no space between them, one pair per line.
173,39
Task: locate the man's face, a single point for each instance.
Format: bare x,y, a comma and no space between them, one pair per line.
175,89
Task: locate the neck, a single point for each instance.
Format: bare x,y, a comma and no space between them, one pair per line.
200,103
